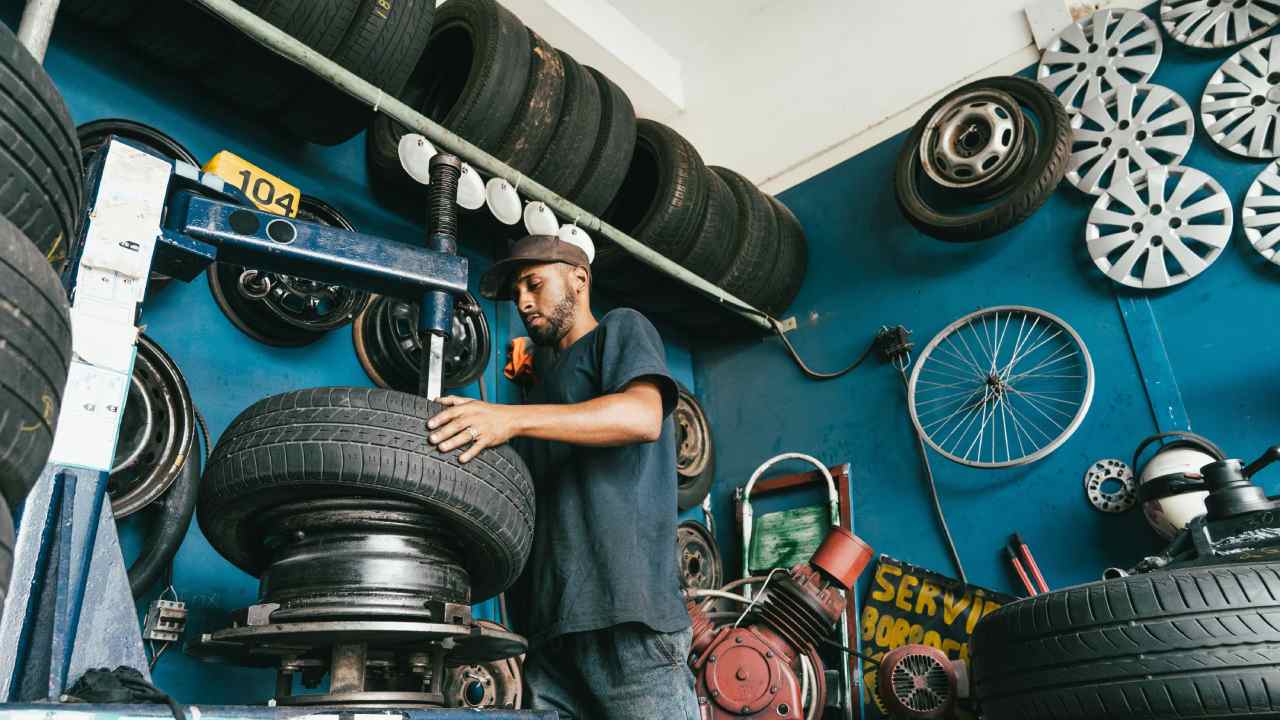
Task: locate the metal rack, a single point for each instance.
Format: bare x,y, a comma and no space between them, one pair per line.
37,22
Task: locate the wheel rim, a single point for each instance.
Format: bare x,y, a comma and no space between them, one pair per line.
156,433
1159,228
1001,387
972,139
1241,104
692,434
1127,130
390,348
1261,213
697,557
1105,51
1218,23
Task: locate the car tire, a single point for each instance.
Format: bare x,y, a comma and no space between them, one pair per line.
748,275
343,442
1192,642
615,143
565,160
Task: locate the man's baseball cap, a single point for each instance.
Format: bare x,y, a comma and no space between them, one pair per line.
495,284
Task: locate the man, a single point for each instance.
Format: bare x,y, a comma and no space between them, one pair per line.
599,598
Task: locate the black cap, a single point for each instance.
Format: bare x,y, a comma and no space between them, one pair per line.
495,283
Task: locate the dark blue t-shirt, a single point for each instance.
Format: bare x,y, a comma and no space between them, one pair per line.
604,537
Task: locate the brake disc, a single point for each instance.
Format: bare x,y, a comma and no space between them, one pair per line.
496,684
286,310
389,347
93,135
156,431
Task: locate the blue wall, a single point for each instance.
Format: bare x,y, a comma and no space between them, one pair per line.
225,370
868,267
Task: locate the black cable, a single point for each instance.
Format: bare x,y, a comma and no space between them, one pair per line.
846,649
814,374
933,491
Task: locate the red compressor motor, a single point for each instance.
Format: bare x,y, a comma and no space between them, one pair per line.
757,669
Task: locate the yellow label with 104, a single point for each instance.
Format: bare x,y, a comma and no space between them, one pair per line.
268,192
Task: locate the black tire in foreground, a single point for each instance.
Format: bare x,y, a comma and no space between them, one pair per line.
382,45
369,443
955,216
695,452
1199,642
43,191
35,356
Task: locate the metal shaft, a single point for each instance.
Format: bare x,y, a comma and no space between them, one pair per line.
435,320
36,26
283,44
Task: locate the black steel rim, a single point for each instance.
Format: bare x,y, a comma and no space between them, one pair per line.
286,310
156,431
390,349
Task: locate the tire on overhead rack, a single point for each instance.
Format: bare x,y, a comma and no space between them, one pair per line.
1190,642
565,160
178,35
749,274
381,45
369,443
661,202
793,260
716,241
471,79
615,143
43,192
534,123
951,215
35,357
109,14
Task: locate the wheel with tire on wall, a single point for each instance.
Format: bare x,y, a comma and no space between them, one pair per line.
389,346
369,446
286,310
35,357
695,452
1189,642
983,159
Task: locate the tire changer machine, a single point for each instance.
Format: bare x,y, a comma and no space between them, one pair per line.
70,608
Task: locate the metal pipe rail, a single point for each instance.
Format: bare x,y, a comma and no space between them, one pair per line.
285,45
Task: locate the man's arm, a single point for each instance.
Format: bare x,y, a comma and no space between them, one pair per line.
632,415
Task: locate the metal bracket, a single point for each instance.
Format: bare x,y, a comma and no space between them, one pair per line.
788,325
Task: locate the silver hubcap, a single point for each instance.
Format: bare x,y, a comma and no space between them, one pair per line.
1132,128
1159,228
1261,213
971,139
1218,23
1241,105
1107,50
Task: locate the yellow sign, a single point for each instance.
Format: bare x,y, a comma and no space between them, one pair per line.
268,192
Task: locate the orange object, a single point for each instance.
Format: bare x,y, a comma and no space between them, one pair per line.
519,368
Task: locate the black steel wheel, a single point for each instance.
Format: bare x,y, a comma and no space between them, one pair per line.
970,169
93,135
698,557
390,350
286,310
156,431
695,453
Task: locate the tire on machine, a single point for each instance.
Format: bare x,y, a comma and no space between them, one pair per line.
346,442
1190,642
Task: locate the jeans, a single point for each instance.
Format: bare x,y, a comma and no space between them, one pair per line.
625,672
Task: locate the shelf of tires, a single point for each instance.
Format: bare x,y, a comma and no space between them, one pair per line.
472,66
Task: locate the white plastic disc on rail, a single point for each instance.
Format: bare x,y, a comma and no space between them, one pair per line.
1160,227
539,220
1216,24
1241,104
471,193
1131,128
1261,213
415,156
575,235
1107,50
504,201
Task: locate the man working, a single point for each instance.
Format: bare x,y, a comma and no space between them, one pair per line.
599,598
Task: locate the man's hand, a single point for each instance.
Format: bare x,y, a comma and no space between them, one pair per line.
466,421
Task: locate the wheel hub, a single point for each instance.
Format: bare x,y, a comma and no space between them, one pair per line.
973,139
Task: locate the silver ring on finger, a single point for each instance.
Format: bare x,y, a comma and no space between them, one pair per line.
474,435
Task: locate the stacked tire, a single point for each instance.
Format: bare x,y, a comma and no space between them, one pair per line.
379,41
40,209
505,89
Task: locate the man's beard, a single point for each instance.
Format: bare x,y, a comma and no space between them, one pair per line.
557,323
